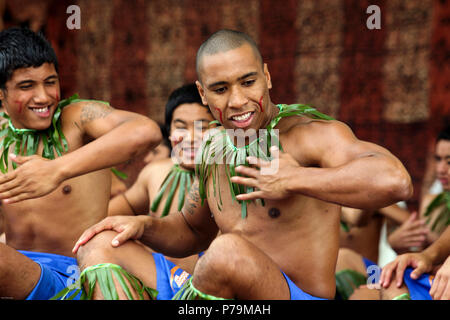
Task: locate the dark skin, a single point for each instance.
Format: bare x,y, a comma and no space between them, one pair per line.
305,193
47,204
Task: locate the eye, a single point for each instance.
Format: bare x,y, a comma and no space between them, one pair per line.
25,86
220,90
248,83
50,83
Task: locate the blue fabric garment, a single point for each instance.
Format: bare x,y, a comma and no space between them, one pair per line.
169,277
369,263
297,293
57,272
418,289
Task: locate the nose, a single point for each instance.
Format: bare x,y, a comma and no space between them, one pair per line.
41,95
237,98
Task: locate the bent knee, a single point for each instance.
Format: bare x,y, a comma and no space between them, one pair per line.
98,246
226,254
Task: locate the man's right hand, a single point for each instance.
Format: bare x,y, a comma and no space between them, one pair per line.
419,261
127,227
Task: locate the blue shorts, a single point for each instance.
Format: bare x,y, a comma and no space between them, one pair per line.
297,293
57,272
169,277
418,289
369,263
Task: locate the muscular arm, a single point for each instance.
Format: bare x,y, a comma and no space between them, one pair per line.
118,136
342,169
185,233
353,173
115,136
179,234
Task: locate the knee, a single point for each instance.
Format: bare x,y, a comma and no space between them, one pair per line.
98,248
225,256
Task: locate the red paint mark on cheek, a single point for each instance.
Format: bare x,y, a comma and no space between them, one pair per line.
260,104
220,114
57,96
19,106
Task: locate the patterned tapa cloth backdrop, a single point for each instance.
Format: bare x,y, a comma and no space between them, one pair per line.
389,85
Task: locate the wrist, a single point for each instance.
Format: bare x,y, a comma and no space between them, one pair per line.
61,171
294,182
432,255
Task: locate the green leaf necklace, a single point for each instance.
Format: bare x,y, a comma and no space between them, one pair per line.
26,141
178,179
218,149
443,218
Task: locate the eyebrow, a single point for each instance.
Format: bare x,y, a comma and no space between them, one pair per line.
250,74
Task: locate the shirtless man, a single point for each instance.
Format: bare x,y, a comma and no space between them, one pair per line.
292,241
434,254
360,248
184,111
46,203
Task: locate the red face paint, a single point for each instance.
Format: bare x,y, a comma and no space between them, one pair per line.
57,97
19,104
220,114
260,104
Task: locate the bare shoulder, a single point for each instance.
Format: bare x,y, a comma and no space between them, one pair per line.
311,140
86,111
156,168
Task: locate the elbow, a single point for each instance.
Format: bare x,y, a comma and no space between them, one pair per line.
401,188
147,136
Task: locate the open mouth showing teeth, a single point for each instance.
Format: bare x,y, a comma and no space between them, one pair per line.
242,117
40,110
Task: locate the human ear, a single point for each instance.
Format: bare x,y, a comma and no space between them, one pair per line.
267,75
201,92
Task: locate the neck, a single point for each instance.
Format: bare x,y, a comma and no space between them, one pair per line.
273,112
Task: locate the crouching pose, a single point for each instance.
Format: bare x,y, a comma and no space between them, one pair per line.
277,208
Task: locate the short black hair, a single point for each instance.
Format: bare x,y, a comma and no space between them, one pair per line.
188,93
23,48
224,40
444,134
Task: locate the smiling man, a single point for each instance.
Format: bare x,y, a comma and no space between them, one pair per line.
286,246
55,159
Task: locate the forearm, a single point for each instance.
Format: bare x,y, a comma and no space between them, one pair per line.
172,236
122,143
440,249
395,213
367,183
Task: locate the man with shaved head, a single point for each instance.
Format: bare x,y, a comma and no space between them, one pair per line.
278,229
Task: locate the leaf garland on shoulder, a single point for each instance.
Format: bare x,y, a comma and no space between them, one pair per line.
178,179
26,141
217,149
443,217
